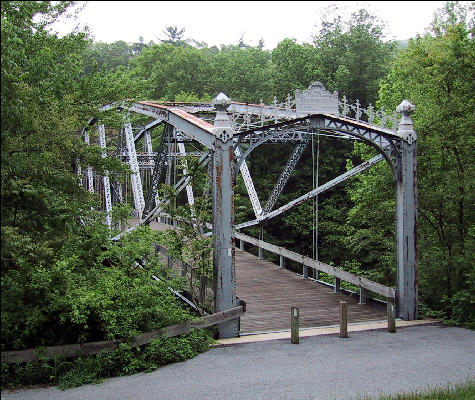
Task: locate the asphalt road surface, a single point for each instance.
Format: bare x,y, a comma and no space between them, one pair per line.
320,367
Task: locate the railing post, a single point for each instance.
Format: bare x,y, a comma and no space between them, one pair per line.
336,288
362,295
241,245
304,271
282,262
261,253
261,237
343,319
294,325
391,316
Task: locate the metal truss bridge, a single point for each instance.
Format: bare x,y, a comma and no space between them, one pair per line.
221,136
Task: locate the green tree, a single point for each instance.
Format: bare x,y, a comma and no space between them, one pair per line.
436,73
174,36
62,280
165,71
294,66
242,73
352,56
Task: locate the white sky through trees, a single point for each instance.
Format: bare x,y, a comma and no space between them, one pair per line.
225,22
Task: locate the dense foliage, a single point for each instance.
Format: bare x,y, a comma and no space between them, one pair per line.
63,280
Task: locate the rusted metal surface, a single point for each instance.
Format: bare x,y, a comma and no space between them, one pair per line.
406,220
182,114
223,221
277,123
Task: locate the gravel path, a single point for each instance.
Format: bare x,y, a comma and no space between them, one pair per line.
320,367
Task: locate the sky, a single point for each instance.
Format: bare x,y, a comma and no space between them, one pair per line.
225,22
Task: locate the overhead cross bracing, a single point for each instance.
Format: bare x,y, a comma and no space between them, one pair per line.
224,134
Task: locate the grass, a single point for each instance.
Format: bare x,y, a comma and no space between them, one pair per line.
463,391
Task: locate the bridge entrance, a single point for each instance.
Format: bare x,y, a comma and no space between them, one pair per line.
223,134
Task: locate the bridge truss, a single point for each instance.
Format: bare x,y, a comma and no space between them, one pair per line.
223,134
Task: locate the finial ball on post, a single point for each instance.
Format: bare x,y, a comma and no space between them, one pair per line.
406,107
221,102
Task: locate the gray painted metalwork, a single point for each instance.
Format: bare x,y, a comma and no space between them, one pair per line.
147,128
105,178
406,218
147,142
223,217
189,189
313,192
256,204
285,175
90,179
157,172
316,100
135,179
293,121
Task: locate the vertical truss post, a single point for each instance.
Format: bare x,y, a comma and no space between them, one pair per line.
406,218
135,180
162,154
90,178
105,178
189,189
147,144
223,218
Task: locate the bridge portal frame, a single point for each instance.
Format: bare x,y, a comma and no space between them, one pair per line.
397,148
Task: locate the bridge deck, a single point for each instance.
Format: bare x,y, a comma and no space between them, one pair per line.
269,291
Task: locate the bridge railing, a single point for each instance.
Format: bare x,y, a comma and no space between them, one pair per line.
363,283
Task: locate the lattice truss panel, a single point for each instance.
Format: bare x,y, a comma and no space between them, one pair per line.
174,131
253,125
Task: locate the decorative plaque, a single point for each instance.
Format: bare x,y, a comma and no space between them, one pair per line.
316,100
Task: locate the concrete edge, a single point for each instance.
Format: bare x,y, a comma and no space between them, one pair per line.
320,331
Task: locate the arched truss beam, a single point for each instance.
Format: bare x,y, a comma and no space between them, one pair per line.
383,140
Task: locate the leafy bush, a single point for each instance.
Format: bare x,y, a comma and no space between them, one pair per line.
126,360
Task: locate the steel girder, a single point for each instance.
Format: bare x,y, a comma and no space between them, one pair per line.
284,177
90,179
178,187
135,180
189,189
157,172
105,178
398,148
312,193
256,205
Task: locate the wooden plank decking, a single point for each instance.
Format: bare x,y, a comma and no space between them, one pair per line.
269,291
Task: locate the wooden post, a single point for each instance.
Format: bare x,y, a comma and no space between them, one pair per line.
304,271
343,319
362,295
282,262
294,325
241,244
391,316
336,288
